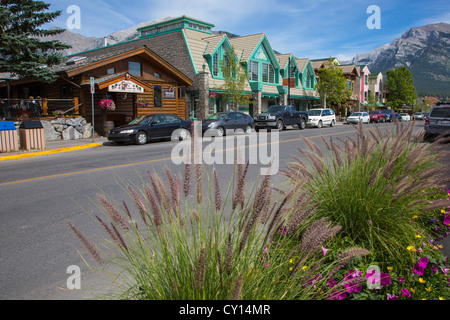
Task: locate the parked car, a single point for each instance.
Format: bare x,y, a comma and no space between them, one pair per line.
418,116
377,116
390,115
151,127
405,117
357,117
437,122
278,117
220,123
320,117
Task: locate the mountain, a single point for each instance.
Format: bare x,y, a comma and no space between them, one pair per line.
425,51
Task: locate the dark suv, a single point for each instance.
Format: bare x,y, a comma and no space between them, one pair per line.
437,122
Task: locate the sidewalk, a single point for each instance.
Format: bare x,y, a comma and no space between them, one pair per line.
53,147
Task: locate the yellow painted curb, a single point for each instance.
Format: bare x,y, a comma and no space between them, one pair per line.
41,153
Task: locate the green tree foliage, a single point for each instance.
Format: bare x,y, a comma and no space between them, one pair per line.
235,78
400,87
22,50
332,85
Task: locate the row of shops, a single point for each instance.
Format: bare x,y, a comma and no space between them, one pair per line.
174,67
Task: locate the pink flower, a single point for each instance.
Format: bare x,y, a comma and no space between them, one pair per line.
331,282
423,262
391,297
324,251
406,293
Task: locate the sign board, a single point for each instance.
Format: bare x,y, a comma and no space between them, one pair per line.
125,86
92,85
169,94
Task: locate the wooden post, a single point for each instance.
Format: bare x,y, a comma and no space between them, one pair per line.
44,106
75,102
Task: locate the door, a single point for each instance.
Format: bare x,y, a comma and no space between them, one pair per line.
172,123
241,121
230,121
157,127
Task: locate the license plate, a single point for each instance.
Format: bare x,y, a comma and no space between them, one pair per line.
445,122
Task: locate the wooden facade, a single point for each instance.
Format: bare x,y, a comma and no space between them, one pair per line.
158,81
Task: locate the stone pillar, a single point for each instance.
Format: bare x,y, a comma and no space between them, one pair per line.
203,95
258,101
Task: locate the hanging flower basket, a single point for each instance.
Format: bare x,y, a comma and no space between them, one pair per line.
142,103
212,95
107,104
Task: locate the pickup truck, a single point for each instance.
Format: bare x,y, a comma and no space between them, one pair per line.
278,117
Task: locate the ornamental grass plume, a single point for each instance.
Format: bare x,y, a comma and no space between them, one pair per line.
381,180
210,250
87,244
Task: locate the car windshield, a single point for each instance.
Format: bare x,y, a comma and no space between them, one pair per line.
387,111
314,112
356,114
440,113
140,120
217,116
275,109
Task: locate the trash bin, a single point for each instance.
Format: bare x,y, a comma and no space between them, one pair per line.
32,136
8,137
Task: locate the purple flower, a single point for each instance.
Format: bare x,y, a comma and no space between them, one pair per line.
324,251
433,220
401,279
385,279
353,287
351,274
391,297
406,293
419,270
423,262
331,283
446,219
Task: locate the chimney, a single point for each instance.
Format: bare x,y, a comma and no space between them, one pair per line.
106,42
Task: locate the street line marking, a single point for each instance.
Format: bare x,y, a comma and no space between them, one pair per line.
157,160
41,153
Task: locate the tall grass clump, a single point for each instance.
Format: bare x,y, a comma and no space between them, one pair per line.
176,241
372,185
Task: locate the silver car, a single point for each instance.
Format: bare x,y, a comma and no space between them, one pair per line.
437,122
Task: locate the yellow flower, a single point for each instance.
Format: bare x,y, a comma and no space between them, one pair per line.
410,248
415,217
290,269
442,210
390,268
440,298
304,268
418,236
440,246
413,291
428,289
421,280
291,261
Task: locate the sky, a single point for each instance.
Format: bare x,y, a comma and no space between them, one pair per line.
309,29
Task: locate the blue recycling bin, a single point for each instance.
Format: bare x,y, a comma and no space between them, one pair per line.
8,137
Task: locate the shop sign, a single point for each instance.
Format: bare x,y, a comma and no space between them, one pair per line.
169,94
125,86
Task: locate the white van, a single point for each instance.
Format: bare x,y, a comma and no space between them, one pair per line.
321,117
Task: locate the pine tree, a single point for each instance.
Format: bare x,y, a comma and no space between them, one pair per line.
23,52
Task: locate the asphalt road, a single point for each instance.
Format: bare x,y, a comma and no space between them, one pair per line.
38,196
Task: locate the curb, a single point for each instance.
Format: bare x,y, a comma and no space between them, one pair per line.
41,153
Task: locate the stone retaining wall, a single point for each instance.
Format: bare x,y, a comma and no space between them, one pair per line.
67,129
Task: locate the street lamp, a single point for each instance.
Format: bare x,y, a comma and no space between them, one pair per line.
294,70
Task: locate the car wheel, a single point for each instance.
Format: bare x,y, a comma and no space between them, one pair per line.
183,135
220,132
332,123
248,130
319,125
141,138
302,124
280,125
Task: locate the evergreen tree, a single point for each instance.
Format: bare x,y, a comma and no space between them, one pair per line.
22,50
400,88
